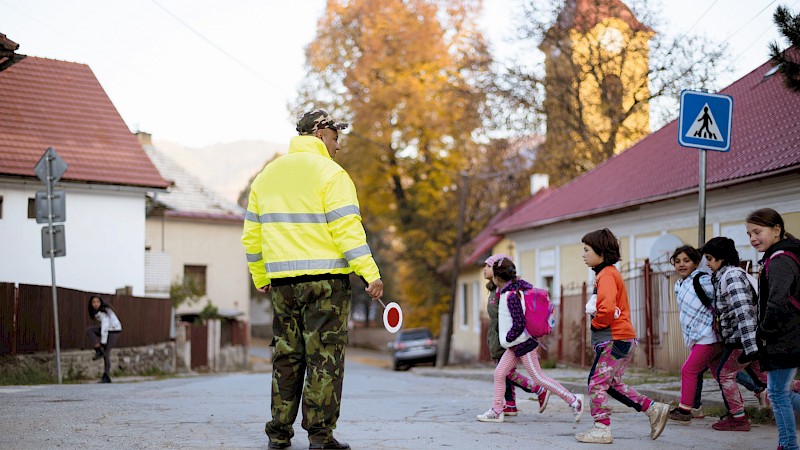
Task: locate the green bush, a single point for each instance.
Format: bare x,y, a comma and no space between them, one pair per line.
16,373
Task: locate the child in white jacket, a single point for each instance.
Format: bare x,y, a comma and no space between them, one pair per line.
104,336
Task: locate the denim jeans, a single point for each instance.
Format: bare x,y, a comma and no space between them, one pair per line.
784,401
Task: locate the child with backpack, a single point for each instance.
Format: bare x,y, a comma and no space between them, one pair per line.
614,341
694,293
735,307
778,332
519,344
496,351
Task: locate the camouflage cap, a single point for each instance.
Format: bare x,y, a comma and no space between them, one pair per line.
317,120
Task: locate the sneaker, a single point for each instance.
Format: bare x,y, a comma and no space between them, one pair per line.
490,416
543,398
598,434
730,423
763,398
98,353
698,413
510,411
680,416
577,408
105,378
657,413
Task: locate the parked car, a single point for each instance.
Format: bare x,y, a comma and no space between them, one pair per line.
413,346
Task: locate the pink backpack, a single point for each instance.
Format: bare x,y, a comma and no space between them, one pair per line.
539,312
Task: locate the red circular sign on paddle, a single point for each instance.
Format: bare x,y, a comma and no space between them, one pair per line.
392,317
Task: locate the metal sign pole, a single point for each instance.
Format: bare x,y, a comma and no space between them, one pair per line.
701,229
53,262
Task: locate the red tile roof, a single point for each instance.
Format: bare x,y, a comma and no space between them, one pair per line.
59,104
765,140
584,15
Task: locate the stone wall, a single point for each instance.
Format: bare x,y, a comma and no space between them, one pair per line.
78,365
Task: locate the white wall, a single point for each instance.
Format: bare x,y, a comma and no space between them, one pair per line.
104,239
216,245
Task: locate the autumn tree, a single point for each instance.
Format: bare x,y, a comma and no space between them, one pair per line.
787,60
606,66
410,77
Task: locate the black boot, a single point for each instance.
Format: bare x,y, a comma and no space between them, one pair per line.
332,444
98,353
105,378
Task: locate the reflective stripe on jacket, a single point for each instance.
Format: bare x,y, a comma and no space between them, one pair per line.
303,218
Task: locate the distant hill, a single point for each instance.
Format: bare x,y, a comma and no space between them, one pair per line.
224,168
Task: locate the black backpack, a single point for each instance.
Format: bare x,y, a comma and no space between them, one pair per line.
701,294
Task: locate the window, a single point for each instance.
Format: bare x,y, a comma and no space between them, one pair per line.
31,208
476,306
195,278
464,305
611,101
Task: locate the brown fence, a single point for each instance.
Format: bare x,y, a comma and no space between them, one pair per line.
654,313
29,327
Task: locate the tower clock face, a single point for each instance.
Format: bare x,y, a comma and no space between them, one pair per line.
612,40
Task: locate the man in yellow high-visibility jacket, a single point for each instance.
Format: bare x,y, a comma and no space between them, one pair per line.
303,237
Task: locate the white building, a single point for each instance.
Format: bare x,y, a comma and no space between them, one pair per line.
48,103
194,234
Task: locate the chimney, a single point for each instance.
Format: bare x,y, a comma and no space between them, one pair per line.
539,181
144,138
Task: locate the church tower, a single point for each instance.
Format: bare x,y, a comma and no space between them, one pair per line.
596,86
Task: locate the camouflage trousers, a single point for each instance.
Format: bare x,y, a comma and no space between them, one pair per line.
310,327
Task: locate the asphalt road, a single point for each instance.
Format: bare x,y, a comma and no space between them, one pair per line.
382,409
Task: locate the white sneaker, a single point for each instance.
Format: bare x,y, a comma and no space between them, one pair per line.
657,413
598,434
490,416
698,413
577,407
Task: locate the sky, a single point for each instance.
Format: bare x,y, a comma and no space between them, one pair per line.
205,72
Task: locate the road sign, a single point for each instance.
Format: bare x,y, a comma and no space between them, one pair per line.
705,121
59,241
57,166
59,206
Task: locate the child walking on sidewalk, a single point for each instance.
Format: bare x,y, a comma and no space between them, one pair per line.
614,341
519,345
735,307
694,293
514,378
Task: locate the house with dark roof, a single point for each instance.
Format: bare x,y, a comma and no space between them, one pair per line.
193,236
49,103
648,196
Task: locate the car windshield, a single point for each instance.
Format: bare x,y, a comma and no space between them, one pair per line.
414,335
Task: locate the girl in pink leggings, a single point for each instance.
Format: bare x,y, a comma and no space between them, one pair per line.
519,345
614,341
694,293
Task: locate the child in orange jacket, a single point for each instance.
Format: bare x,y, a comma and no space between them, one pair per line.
614,341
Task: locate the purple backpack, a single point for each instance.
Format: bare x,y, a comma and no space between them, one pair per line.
539,312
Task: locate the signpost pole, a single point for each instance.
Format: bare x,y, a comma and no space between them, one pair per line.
701,228
51,230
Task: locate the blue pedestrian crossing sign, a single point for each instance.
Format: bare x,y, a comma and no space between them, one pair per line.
705,121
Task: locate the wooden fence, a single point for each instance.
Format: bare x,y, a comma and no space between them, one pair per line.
27,326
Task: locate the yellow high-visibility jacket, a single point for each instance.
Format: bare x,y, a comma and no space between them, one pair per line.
303,218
